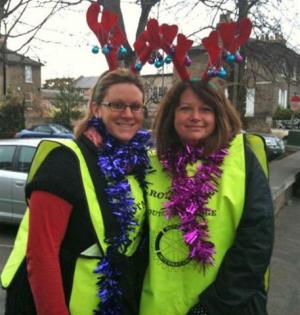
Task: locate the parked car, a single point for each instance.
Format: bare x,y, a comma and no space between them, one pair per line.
275,146
15,159
45,130
288,124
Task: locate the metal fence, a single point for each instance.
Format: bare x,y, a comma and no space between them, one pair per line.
287,124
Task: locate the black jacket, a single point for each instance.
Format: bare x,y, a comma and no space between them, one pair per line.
239,288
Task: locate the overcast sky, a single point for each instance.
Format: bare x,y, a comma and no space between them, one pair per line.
66,43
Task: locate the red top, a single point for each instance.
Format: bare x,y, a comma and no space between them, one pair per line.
48,221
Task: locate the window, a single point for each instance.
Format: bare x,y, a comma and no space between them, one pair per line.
294,73
28,74
250,103
282,98
42,128
6,157
25,158
226,92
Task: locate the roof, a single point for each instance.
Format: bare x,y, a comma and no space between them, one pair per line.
29,142
49,93
12,57
154,75
85,82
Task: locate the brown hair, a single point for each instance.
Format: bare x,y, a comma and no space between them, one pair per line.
228,122
105,81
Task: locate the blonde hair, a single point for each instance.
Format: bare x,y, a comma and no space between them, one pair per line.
105,81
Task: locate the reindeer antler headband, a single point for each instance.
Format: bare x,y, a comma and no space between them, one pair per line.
156,37
222,44
109,34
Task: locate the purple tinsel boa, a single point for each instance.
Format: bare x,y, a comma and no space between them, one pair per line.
115,161
190,195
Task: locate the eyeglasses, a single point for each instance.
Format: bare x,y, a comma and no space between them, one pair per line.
121,107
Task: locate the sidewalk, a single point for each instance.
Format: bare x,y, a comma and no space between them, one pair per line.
282,176
284,292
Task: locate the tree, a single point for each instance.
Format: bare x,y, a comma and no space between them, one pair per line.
67,106
12,115
13,14
58,83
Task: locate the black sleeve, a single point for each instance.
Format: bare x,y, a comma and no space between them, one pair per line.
241,275
59,175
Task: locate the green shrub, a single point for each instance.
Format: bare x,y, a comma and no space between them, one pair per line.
282,114
297,114
11,116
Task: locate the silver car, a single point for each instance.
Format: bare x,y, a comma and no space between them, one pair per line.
15,160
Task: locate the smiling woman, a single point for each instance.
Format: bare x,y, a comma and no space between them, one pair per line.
211,216
97,189
121,120
194,120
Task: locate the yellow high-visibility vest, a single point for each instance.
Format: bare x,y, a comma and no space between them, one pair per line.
83,298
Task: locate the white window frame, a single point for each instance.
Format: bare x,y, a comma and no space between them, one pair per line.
28,74
250,103
282,98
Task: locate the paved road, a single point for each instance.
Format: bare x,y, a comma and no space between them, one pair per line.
284,295
7,235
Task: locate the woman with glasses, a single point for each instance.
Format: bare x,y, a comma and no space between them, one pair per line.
85,250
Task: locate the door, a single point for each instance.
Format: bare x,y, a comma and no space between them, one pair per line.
24,159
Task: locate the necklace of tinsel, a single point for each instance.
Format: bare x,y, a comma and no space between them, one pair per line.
116,160
189,196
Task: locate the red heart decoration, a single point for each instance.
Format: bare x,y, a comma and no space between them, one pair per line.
245,27
140,43
153,32
211,43
234,35
168,32
183,45
107,30
109,20
92,17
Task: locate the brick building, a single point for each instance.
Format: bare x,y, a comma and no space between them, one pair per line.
22,76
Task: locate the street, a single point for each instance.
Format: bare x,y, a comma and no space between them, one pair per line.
7,235
284,294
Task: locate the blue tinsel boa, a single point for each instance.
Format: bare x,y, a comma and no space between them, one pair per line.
115,161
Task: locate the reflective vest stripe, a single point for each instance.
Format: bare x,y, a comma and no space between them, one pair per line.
258,146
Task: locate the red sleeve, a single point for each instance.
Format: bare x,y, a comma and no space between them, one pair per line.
48,219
